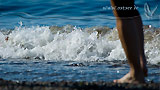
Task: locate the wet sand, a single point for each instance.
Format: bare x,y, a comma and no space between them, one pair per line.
68,85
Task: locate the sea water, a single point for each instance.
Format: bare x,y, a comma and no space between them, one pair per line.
56,40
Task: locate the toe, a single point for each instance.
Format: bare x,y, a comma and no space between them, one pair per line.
115,81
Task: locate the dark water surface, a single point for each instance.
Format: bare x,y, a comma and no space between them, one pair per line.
39,70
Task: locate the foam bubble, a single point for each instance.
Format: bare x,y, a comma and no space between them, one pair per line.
71,43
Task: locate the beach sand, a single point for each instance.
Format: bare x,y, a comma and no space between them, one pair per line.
69,85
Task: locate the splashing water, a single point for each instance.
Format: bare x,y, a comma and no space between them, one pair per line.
70,43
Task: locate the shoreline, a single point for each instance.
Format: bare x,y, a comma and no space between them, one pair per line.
69,85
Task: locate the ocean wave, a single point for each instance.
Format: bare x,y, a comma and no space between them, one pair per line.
71,43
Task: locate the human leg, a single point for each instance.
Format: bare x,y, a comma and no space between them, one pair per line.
130,42
129,36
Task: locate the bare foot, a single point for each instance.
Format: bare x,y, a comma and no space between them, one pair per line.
128,78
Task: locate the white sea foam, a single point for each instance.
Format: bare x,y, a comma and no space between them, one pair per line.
72,43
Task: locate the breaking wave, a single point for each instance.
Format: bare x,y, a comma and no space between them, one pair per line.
71,43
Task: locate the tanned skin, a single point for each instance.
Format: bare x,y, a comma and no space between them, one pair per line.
130,30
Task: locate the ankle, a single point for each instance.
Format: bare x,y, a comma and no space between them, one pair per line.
135,73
